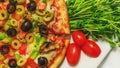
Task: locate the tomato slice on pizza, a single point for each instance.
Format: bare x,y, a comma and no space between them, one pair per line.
33,33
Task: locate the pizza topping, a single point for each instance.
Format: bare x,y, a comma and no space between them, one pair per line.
12,1
41,5
12,63
21,62
37,38
48,16
6,27
45,1
6,40
18,56
43,29
2,35
34,54
40,12
26,25
3,15
21,1
21,39
1,27
13,23
15,44
1,0
23,49
4,66
20,9
43,62
1,56
11,8
29,37
49,46
4,49
11,32
30,64
31,6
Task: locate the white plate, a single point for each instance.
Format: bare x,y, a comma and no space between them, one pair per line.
89,62
113,60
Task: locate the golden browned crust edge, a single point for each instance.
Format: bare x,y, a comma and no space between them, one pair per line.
64,24
64,13
59,59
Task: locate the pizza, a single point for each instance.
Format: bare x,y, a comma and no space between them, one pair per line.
33,33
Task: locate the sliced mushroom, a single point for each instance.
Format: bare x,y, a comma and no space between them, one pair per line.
47,47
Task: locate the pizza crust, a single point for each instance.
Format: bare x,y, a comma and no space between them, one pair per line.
59,59
60,24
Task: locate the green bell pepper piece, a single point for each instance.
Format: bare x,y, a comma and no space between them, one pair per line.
42,40
8,23
6,40
37,38
34,54
45,1
2,35
35,18
17,56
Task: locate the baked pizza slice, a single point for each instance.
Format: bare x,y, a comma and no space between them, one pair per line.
55,50
42,52
60,23
33,33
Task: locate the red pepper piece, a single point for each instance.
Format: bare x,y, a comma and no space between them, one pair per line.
30,64
25,5
11,53
0,8
4,4
23,49
16,16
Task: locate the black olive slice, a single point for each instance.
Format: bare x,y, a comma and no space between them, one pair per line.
11,32
11,8
31,6
12,63
42,62
4,49
26,26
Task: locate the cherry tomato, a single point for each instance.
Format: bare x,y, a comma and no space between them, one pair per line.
91,48
73,54
79,37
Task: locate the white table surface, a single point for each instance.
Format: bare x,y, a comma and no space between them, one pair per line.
113,59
